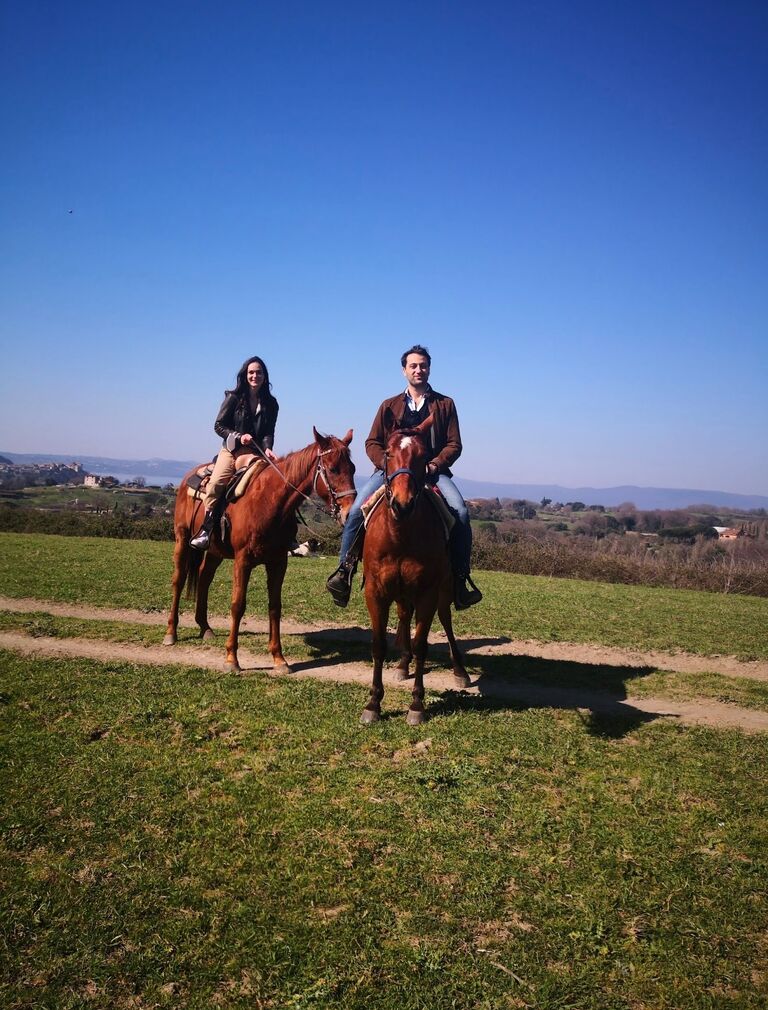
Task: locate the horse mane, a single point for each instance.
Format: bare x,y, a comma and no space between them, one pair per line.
296,465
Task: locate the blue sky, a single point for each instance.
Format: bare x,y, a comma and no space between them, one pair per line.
566,202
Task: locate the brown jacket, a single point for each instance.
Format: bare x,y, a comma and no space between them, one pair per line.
445,434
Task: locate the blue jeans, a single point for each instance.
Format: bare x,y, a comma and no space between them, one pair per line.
460,543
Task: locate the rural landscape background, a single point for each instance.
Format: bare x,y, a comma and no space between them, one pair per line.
567,203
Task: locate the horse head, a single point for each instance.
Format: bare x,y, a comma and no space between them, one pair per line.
406,458
334,477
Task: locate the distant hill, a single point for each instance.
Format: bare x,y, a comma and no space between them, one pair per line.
3,460
105,464
643,497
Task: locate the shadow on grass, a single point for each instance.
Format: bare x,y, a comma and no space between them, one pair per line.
597,692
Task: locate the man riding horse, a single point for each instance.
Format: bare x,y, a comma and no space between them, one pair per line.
409,409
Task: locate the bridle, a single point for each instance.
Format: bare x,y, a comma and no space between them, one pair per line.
333,494
320,471
389,477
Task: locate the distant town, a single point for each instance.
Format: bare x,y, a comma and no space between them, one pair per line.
15,476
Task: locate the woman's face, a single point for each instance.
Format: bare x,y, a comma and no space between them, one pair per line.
255,376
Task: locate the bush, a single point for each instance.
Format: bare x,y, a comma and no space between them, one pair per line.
76,524
706,565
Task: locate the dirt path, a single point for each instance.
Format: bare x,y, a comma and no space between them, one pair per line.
522,692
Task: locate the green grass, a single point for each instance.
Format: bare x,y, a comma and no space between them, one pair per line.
176,837
137,574
619,681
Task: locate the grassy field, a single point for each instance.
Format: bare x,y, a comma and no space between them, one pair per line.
136,574
178,837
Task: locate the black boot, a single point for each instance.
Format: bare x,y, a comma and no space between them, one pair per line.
463,596
339,585
203,538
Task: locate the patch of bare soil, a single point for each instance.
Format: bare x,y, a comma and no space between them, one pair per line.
521,692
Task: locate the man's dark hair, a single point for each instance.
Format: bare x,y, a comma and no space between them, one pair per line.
416,349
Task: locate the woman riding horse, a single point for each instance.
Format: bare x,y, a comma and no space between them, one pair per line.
246,421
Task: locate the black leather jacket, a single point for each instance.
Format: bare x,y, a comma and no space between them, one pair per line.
236,418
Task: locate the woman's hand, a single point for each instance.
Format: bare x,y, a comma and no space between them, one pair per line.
270,455
246,439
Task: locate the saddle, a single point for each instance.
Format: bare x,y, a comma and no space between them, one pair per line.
246,467
439,504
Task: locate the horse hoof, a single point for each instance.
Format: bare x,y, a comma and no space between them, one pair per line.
281,668
169,640
415,718
461,682
369,716
233,667
402,674
207,635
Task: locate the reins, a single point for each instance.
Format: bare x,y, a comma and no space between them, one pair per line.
320,471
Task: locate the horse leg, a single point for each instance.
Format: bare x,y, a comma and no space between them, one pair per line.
276,569
424,615
181,554
379,612
403,640
207,571
240,577
460,675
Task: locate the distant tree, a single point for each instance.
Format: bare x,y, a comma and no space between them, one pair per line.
576,506
650,522
139,482
545,501
489,529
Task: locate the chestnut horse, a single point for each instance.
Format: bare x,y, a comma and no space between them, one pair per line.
405,559
263,526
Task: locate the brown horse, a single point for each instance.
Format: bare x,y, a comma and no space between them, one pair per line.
262,527
405,558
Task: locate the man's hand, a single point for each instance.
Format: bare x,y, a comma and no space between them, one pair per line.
433,473
246,439
270,455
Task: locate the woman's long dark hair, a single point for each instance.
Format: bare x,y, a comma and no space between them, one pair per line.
241,383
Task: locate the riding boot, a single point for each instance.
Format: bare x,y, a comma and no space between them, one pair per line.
203,538
339,584
463,596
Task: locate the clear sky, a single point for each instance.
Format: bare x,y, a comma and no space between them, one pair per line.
565,201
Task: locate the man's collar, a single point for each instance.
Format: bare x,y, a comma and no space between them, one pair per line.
427,393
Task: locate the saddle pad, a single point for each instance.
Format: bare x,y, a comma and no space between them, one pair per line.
245,468
370,504
243,477
447,518
441,507
197,481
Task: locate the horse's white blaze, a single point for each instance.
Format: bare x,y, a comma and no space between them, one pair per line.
405,441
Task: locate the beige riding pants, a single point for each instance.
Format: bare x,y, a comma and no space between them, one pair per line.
223,472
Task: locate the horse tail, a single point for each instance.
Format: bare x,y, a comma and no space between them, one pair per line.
193,574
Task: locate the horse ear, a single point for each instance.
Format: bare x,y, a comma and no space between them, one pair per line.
347,438
390,422
426,424
322,440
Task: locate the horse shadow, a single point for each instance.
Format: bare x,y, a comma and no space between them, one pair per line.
507,682
597,692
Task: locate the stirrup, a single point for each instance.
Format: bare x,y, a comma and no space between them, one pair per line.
462,596
201,541
339,584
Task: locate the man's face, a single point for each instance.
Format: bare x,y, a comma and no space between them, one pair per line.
416,370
